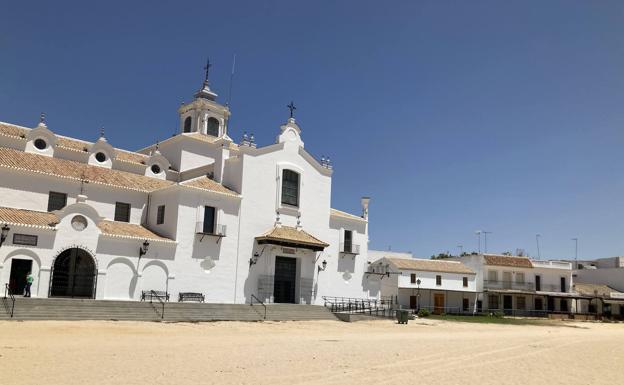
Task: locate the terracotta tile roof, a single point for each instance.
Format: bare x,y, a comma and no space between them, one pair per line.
63,168
129,230
506,260
346,215
291,235
28,218
205,183
430,265
12,130
588,289
72,144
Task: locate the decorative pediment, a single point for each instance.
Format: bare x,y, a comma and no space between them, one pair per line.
40,140
102,154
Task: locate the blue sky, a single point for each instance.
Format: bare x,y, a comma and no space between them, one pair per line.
453,116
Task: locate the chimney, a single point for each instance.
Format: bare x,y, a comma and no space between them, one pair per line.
365,201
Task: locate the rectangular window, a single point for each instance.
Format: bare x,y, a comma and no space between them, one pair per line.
348,240
465,281
56,201
538,283
290,188
160,215
493,302
492,275
438,280
24,239
122,212
209,220
521,303
563,285
465,304
413,278
520,278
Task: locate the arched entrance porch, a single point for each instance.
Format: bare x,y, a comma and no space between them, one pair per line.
74,275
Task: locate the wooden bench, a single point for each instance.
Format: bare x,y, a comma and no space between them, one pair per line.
188,296
149,295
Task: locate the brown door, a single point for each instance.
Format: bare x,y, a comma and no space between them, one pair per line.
438,303
412,302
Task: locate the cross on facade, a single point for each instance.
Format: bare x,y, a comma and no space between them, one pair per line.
292,108
207,68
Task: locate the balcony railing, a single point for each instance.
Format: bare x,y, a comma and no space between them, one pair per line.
349,248
551,288
218,230
509,285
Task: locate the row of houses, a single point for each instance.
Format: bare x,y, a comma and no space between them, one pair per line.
491,283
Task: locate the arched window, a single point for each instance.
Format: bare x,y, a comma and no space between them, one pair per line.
290,188
187,124
213,127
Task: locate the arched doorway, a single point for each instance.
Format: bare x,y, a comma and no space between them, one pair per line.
73,275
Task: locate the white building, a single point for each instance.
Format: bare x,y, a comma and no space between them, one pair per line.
521,286
440,286
193,213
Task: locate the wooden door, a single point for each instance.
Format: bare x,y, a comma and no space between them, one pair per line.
438,303
412,302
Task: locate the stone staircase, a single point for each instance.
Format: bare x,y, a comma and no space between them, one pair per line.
88,309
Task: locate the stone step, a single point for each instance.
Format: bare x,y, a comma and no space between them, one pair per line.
89,309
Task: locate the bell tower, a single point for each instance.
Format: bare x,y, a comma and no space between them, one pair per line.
204,115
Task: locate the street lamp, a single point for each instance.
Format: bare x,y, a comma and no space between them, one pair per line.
417,295
5,232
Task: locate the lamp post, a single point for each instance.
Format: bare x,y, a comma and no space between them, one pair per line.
417,295
5,232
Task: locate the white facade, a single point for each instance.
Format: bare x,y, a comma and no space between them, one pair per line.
322,251
440,286
520,285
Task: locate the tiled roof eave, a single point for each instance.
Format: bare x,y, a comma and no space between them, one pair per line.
134,237
231,195
439,271
277,239
38,227
75,179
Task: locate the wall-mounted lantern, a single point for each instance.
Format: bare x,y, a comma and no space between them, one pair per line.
143,249
253,260
322,268
5,232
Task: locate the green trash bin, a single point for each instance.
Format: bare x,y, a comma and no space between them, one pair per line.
402,316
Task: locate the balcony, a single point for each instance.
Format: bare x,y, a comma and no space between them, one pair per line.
349,248
218,231
508,285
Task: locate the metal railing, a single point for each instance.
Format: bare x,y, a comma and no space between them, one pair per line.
511,285
162,303
218,230
551,288
7,291
253,297
372,306
349,248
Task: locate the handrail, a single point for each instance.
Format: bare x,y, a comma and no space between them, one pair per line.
154,294
7,290
260,302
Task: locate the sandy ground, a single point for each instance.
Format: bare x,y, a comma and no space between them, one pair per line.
319,352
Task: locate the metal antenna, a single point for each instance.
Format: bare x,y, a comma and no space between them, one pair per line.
537,238
478,232
575,253
485,233
461,249
229,99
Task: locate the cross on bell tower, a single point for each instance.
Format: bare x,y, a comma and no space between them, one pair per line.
292,108
207,69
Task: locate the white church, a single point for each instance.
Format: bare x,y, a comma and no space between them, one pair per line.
195,213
